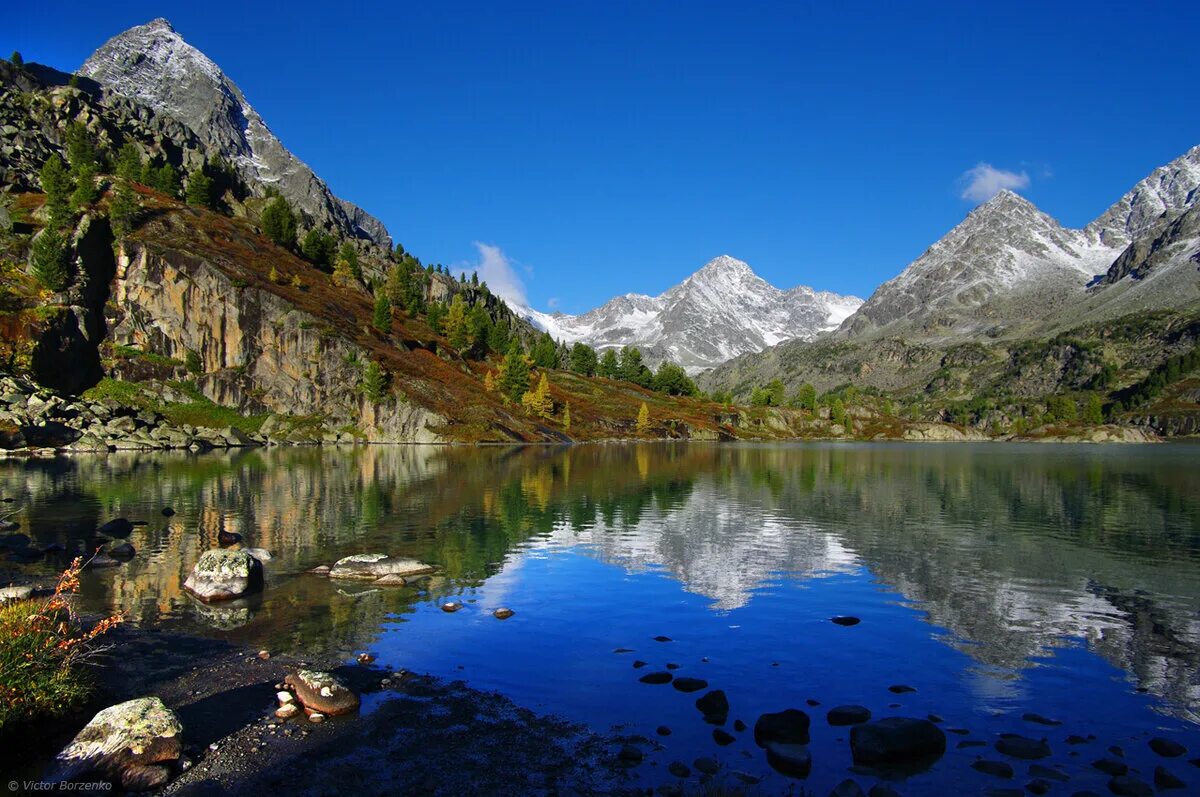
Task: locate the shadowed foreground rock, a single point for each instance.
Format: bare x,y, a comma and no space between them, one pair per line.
131,743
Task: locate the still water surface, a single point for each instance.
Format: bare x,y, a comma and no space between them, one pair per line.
995,579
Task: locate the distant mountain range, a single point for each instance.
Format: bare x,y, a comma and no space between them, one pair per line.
721,311
1008,272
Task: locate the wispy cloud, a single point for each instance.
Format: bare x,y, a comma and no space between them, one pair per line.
984,181
499,273
552,302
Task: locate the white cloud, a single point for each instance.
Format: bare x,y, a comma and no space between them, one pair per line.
985,181
497,271
552,302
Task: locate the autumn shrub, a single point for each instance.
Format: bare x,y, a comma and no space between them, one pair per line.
43,644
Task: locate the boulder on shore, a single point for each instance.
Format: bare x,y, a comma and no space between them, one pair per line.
222,574
122,742
322,692
789,726
371,566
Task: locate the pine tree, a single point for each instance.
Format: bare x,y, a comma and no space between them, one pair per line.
673,380
806,397
1094,414
15,59
514,372
643,419
85,192
123,209
129,162
479,326
456,322
49,260
608,367
279,222
567,417
545,352
199,189
57,183
318,248
374,382
348,260
383,314
435,316
583,359
837,412
166,180
81,153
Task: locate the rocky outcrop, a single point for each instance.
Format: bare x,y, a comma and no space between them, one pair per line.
377,565
941,432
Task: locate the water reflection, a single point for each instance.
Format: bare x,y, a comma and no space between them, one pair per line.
1011,552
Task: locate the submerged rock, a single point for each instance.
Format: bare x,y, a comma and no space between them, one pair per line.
679,769
722,737
661,677
708,766
690,684
1165,779
846,620
848,715
223,574
714,706
793,760
118,527
1030,716
376,565
322,692
1111,766
1129,786
896,740
122,739
789,726
847,788
1001,769
1017,746
1167,748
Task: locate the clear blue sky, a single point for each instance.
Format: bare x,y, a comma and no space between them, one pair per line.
616,146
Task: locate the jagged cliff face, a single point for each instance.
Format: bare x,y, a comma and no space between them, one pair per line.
154,66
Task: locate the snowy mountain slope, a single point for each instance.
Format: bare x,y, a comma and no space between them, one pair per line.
721,311
1168,189
153,65
1006,263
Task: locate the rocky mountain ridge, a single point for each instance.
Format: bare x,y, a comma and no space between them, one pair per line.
722,310
153,65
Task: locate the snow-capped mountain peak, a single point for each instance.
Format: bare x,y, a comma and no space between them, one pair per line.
153,65
722,310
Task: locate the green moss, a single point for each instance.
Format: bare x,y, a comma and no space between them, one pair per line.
132,353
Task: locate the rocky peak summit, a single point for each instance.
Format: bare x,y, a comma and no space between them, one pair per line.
153,65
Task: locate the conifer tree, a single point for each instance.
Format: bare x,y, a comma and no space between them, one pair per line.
545,352
279,222
456,322
15,59
318,248
489,382
348,256
129,162
85,192
514,372
806,397
1094,414
123,209
81,153
166,181
608,366
199,189
374,382
58,185
383,313
49,260
643,419
583,359
543,404
567,417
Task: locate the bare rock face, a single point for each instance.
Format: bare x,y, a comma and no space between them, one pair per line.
127,742
374,566
154,66
322,692
222,574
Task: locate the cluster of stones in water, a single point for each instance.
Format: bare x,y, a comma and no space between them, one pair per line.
891,741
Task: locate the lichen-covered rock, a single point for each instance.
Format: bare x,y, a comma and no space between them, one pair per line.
322,692
123,739
223,575
377,565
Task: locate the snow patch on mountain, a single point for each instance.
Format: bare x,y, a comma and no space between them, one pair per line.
720,312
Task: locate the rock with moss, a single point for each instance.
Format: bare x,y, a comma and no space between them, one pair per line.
322,692
377,565
125,743
223,575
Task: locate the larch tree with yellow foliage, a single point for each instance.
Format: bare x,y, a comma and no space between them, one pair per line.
538,401
567,417
643,419
489,382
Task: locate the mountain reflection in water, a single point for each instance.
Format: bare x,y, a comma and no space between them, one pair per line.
1008,553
